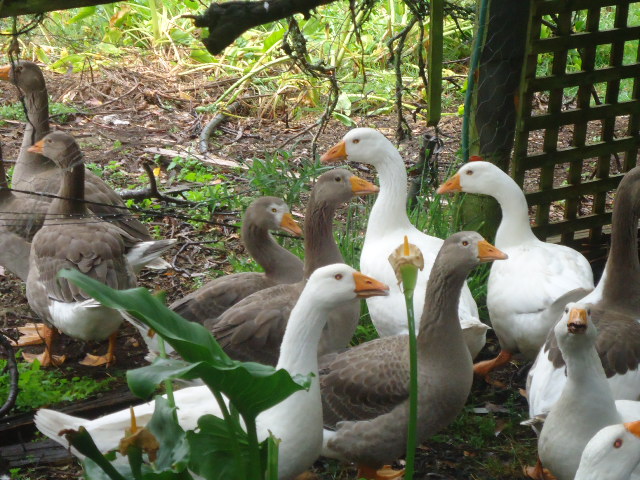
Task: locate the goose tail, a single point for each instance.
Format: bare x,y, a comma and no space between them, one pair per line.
51,423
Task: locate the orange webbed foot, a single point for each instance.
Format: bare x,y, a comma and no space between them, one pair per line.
384,473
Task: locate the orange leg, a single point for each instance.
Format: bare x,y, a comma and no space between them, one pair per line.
482,369
538,472
31,334
108,359
385,473
46,358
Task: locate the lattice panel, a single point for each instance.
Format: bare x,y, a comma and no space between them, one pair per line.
578,112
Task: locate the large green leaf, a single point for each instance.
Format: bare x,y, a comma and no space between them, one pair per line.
174,449
251,387
212,452
191,340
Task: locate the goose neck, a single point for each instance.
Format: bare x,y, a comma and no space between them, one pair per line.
320,247
299,348
440,313
584,368
514,228
389,211
37,109
71,193
266,251
623,266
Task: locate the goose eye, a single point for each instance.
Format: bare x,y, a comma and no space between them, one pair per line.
338,179
338,276
617,443
566,310
465,243
274,210
588,311
469,172
356,140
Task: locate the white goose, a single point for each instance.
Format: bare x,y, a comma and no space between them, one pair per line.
388,224
615,306
612,454
526,293
297,421
586,404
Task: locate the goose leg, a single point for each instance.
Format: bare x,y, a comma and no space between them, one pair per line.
385,473
31,334
46,358
538,472
107,359
482,369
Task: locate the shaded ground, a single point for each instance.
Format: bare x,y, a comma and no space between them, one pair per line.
130,113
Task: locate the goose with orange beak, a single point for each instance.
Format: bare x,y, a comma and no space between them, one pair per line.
388,224
365,390
586,404
296,421
527,293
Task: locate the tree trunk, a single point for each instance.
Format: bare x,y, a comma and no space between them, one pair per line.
493,115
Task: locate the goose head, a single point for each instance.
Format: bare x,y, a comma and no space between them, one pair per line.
575,328
25,75
360,145
338,283
272,213
474,177
340,185
468,249
612,453
59,147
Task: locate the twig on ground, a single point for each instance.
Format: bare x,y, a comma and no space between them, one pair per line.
152,190
215,123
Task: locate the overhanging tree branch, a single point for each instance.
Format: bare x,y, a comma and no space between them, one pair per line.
11,8
227,21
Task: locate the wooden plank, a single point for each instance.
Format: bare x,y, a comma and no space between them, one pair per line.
566,6
555,105
43,452
588,222
584,78
590,151
524,104
574,191
609,124
15,427
580,39
594,112
588,57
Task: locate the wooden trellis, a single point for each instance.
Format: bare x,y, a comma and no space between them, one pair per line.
587,136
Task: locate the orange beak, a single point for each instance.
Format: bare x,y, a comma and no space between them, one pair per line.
337,153
360,186
487,252
5,72
369,287
451,185
288,224
633,427
36,147
578,320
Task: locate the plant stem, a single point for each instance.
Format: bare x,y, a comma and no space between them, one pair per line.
232,426
155,24
254,449
413,382
168,384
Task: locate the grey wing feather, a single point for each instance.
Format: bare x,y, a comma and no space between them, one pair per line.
365,381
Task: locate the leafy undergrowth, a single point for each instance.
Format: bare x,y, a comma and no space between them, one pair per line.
40,387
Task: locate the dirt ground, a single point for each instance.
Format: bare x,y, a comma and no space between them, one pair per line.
130,113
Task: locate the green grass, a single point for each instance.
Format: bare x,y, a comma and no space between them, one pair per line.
40,387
